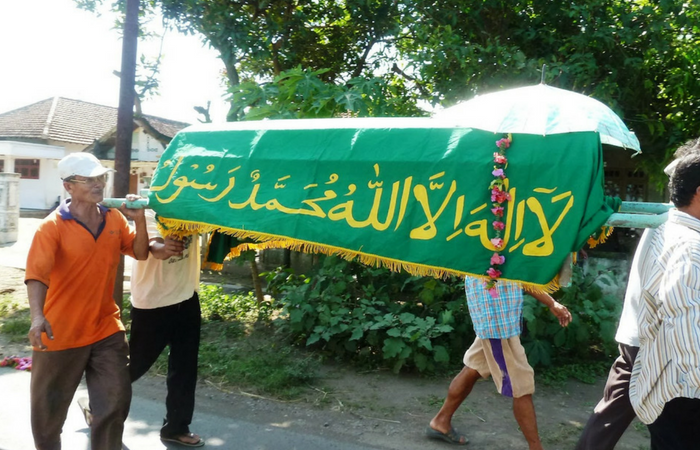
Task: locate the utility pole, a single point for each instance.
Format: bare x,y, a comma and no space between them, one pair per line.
125,120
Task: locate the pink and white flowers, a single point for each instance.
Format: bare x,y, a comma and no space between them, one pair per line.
499,196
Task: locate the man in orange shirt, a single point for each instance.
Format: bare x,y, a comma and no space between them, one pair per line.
76,327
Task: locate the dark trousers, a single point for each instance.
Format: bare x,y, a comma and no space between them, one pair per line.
678,426
178,327
55,378
613,414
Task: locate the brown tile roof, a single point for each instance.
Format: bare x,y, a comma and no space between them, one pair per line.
67,120
166,127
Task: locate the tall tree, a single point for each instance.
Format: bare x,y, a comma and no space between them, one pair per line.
125,120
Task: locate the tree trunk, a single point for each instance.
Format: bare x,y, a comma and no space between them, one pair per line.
255,274
125,121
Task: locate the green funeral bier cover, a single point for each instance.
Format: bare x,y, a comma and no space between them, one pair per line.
404,193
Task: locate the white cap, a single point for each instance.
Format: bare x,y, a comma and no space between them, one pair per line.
81,164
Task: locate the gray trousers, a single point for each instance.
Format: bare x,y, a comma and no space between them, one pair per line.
55,378
613,414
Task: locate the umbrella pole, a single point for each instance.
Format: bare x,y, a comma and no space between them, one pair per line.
544,68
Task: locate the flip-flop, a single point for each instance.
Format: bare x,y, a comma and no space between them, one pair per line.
451,436
84,404
178,440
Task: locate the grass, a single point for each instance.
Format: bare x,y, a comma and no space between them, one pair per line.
562,434
641,428
241,351
433,401
15,321
556,376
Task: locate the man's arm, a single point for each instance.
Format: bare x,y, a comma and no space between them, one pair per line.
560,311
36,292
140,245
166,248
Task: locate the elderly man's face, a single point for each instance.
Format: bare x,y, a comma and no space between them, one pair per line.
86,189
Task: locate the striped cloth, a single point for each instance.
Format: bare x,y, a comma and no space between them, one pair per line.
494,318
668,363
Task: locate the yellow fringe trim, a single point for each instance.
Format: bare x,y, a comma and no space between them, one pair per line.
182,228
604,235
212,266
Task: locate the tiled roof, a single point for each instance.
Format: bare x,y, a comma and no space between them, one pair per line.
66,120
166,126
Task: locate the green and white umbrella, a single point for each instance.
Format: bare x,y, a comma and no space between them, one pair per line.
541,110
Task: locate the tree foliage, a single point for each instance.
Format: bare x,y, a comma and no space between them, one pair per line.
639,57
319,58
261,40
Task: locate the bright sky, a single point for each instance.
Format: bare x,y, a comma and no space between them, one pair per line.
50,48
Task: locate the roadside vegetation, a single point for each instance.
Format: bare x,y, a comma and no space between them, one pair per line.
370,318
365,318
14,316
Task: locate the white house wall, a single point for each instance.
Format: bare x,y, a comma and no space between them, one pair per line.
146,147
145,154
143,147
43,192
70,147
24,150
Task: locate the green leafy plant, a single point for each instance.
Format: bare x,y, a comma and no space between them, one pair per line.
281,280
376,317
591,334
217,305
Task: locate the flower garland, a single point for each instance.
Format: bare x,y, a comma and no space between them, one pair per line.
17,362
499,196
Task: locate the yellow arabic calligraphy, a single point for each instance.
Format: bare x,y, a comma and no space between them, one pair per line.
392,207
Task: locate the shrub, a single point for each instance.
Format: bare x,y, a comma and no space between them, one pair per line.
591,333
219,306
376,317
373,316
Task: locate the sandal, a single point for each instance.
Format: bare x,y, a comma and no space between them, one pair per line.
451,436
84,404
178,439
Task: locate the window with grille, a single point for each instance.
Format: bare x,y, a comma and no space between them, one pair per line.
628,184
27,168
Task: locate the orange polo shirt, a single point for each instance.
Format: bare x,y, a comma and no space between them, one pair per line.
79,270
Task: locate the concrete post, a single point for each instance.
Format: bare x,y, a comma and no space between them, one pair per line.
9,207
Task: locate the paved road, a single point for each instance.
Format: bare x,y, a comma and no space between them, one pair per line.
141,432
15,254
142,426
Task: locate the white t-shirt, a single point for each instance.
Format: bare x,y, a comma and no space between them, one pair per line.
627,330
156,283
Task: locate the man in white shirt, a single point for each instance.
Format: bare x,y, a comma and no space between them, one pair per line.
166,312
613,414
665,383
